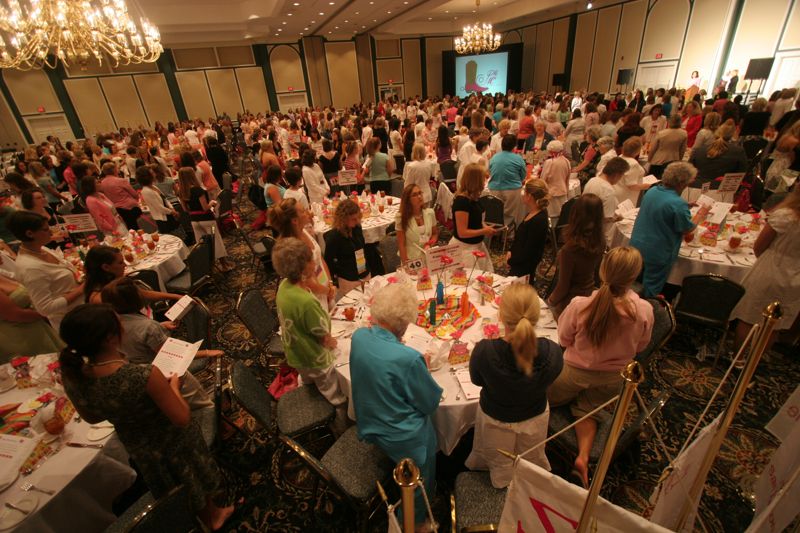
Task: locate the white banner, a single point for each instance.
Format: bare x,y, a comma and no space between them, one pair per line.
540,501
778,488
787,418
669,497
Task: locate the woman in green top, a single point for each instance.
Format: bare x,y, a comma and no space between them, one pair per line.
305,327
23,330
379,167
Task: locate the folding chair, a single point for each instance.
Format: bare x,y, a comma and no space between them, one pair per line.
475,504
172,512
261,321
197,273
493,211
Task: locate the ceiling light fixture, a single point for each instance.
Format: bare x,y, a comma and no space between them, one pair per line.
477,38
589,5
36,33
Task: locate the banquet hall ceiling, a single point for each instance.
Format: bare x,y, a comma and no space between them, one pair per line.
280,21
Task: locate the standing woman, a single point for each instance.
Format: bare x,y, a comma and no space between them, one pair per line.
345,253
418,172
101,208
469,229
693,87
164,215
194,199
531,234
668,145
51,281
692,121
416,225
330,162
601,333
444,148
514,374
314,178
379,167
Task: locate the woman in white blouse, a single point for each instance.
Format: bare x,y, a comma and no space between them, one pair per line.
314,179
415,224
418,172
161,211
51,281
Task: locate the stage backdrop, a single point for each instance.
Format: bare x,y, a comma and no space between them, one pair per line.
497,71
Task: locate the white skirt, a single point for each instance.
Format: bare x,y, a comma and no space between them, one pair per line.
484,263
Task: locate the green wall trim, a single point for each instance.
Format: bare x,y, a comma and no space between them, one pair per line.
305,73
12,105
57,77
166,66
727,44
261,55
423,62
573,26
373,53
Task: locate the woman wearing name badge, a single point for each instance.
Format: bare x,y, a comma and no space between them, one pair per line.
345,251
469,229
416,225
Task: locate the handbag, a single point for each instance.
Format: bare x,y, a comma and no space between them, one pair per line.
285,381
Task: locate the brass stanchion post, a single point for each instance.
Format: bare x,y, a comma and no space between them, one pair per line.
633,375
406,475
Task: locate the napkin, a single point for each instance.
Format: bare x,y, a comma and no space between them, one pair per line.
715,258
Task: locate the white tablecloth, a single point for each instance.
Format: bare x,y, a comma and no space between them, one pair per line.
167,261
454,417
373,226
699,258
86,480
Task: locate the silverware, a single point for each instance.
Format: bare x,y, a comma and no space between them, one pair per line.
84,445
12,506
337,365
28,486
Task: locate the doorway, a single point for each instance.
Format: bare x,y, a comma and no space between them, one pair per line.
656,75
40,126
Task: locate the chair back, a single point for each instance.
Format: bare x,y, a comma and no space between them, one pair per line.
227,181
448,170
391,228
198,324
563,216
172,512
389,254
663,327
225,201
149,277
492,209
199,264
251,394
399,163
397,187
259,319
753,146
166,188
147,224
707,299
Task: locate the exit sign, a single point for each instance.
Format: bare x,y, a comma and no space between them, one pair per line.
390,81
290,88
659,56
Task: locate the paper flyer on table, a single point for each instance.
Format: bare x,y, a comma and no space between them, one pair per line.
175,356
180,309
471,391
625,207
14,449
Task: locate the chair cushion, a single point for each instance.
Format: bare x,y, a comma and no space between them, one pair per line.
356,465
180,283
124,521
275,346
477,501
561,417
303,409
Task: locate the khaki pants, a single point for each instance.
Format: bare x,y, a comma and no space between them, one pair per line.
513,208
585,390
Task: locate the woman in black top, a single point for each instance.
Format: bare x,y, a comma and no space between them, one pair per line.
330,162
195,200
629,129
380,132
531,234
345,253
469,229
756,120
514,373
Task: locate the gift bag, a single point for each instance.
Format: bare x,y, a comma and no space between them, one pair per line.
285,381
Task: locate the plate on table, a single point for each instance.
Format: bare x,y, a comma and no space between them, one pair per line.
10,481
99,431
8,386
730,250
10,518
31,404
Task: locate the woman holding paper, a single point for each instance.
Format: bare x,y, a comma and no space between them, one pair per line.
514,373
416,225
149,414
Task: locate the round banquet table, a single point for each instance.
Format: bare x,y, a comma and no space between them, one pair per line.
373,226
454,416
699,258
83,479
166,261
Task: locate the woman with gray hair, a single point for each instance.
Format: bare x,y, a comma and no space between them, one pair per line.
605,145
305,326
394,394
663,219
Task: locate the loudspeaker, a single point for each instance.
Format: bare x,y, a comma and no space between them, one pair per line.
559,80
624,76
758,69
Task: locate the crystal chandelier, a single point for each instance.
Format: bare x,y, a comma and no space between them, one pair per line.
39,33
477,38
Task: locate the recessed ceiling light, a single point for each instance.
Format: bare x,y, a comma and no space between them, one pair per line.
374,20
430,18
288,14
363,26
297,3
280,29
347,21
388,12
331,3
329,33
313,22
336,27
447,11
301,33
251,17
284,22
357,13
321,14
305,29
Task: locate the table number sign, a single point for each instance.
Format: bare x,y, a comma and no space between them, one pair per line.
415,264
348,177
79,223
433,257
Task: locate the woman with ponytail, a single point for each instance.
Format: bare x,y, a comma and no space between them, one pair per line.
718,158
531,234
601,333
149,415
514,373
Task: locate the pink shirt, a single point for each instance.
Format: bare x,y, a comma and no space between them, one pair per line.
628,338
119,191
102,211
69,177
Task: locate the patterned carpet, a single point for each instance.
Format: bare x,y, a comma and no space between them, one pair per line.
279,490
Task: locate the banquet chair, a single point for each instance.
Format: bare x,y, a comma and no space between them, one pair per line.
352,468
449,171
197,273
172,512
261,249
391,229
475,504
397,187
225,202
147,224
389,254
260,320
399,163
664,326
708,300
251,395
494,209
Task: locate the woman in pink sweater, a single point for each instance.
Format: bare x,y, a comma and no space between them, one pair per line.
601,334
101,208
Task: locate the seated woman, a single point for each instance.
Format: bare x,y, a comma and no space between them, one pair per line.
584,244
539,140
718,158
104,264
469,229
150,416
601,334
305,325
23,330
394,394
514,373
345,252
416,225
34,200
531,235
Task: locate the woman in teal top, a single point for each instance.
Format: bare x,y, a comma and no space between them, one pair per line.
380,167
663,219
273,190
305,327
394,394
